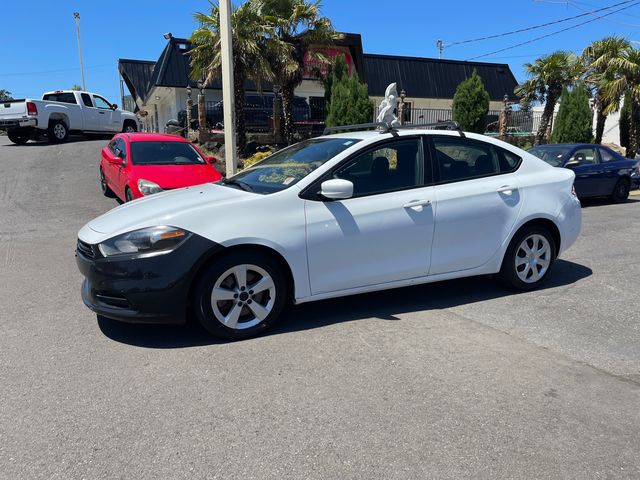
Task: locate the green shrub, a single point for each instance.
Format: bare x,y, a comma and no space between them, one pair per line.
574,123
471,104
350,103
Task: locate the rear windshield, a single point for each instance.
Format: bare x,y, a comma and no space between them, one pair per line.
287,167
60,97
164,153
553,155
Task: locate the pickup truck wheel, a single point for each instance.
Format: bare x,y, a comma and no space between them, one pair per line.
57,131
19,138
106,191
129,127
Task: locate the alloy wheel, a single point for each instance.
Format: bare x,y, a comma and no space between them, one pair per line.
129,129
243,296
59,131
533,258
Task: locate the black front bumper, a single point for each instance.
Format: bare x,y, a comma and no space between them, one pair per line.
142,290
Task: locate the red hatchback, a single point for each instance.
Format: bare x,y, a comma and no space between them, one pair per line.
134,165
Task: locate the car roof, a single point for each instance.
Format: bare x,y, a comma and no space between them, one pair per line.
153,137
571,145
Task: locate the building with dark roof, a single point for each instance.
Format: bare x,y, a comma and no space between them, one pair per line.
159,88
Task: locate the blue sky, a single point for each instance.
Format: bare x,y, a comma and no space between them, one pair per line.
40,51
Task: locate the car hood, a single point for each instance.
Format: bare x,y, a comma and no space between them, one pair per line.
164,208
177,176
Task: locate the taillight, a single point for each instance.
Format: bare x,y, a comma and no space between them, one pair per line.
31,108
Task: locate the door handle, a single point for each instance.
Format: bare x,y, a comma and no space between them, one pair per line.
507,189
101,113
417,203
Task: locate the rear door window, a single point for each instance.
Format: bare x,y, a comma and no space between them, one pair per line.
62,97
463,159
86,99
606,156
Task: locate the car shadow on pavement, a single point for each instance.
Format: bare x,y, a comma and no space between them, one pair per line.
601,202
386,305
72,139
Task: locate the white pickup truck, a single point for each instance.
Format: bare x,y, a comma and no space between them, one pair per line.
62,112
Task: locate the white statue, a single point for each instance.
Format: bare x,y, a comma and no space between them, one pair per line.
388,105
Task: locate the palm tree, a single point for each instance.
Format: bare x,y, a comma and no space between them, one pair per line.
596,59
548,75
624,80
249,32
297,26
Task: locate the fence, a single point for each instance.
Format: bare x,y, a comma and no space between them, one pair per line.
518,121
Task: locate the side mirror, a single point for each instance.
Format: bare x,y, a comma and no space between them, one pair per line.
336,189
572,163
211,160
114,106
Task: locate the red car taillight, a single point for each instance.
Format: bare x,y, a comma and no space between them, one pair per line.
31,108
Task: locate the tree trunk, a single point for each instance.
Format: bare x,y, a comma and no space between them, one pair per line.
601,117
634,131
203,134
547,114
238,96
287,106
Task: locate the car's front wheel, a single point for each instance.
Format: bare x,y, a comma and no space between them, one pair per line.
240,295
529,258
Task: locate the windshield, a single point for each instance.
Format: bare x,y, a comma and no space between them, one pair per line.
164,153
552,154
289,166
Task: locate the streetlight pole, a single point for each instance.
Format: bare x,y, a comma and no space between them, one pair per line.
227,86
76,15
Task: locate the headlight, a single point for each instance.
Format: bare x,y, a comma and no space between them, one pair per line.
147,242
147,187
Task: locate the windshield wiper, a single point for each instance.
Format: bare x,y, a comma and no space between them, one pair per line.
242,185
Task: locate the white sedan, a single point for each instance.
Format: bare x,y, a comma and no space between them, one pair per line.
337,215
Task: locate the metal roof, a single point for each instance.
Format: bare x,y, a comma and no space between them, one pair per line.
136,74
434,78
419,77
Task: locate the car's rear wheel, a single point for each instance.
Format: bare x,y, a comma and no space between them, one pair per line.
620,192
57,131
129,127
529,258
19,138
106,191
240,295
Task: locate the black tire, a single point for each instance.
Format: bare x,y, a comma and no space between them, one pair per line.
511,275
270,302
128,196
106,191
620,192
19,138
129,127
57,131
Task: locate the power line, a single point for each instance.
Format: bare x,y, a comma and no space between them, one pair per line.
554,33
538,26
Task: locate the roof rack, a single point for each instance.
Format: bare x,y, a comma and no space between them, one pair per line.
387,127
384,128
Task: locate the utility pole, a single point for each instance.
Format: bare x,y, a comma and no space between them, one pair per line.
440,48
227,87
76,15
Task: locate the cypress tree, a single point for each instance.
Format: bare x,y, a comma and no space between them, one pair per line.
350,103
471,104
574,123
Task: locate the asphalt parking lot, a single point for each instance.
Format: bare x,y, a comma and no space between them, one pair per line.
461,379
